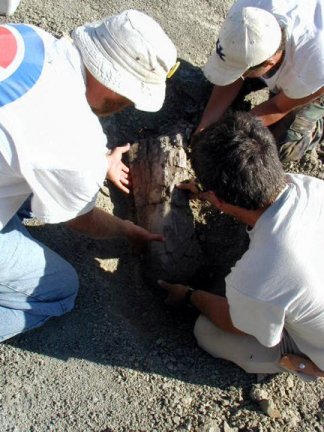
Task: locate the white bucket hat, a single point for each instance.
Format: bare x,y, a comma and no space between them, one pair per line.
248,37
130,54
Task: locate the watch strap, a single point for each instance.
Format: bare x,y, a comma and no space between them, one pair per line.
188,295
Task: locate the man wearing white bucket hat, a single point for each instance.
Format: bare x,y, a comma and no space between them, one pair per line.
281,42
53,149
130,55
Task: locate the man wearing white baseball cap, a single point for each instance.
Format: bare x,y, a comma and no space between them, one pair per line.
282,43
53,149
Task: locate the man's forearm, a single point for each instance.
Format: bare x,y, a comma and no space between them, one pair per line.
277,107
219,101
269,113
99,224
215,308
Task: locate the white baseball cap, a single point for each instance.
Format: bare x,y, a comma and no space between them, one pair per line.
130,54
248,37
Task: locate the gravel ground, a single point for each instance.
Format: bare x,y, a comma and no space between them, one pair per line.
122,361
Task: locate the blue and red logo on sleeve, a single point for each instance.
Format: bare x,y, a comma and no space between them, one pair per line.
21,61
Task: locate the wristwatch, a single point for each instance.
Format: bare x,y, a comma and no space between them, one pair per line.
188,295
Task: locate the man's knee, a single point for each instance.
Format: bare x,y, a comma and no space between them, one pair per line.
60,292
20,312
67,283
243,350
52,294
299,132
198,329
205,333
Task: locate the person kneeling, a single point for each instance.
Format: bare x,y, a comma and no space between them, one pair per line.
272,318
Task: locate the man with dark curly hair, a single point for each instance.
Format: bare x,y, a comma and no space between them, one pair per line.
272,317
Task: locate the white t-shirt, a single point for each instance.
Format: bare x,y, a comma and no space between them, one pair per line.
302,71
279,282
51,144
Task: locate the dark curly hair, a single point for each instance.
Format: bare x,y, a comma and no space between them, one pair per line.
237,158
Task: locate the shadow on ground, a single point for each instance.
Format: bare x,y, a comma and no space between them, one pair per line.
119,321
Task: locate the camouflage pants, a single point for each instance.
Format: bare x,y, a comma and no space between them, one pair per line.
300,131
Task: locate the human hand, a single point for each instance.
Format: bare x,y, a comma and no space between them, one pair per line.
118,172
193,189
176,293
140,237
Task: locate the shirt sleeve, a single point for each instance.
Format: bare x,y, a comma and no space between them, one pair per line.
62,195
261,319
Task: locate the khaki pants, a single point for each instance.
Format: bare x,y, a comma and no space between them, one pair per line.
243,350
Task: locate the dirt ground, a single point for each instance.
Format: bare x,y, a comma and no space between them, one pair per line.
122,361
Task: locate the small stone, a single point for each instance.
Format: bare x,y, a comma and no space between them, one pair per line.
290,382
210,426
176,420
294,421
269,408
187,400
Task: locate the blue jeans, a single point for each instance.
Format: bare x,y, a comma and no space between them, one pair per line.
35,282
